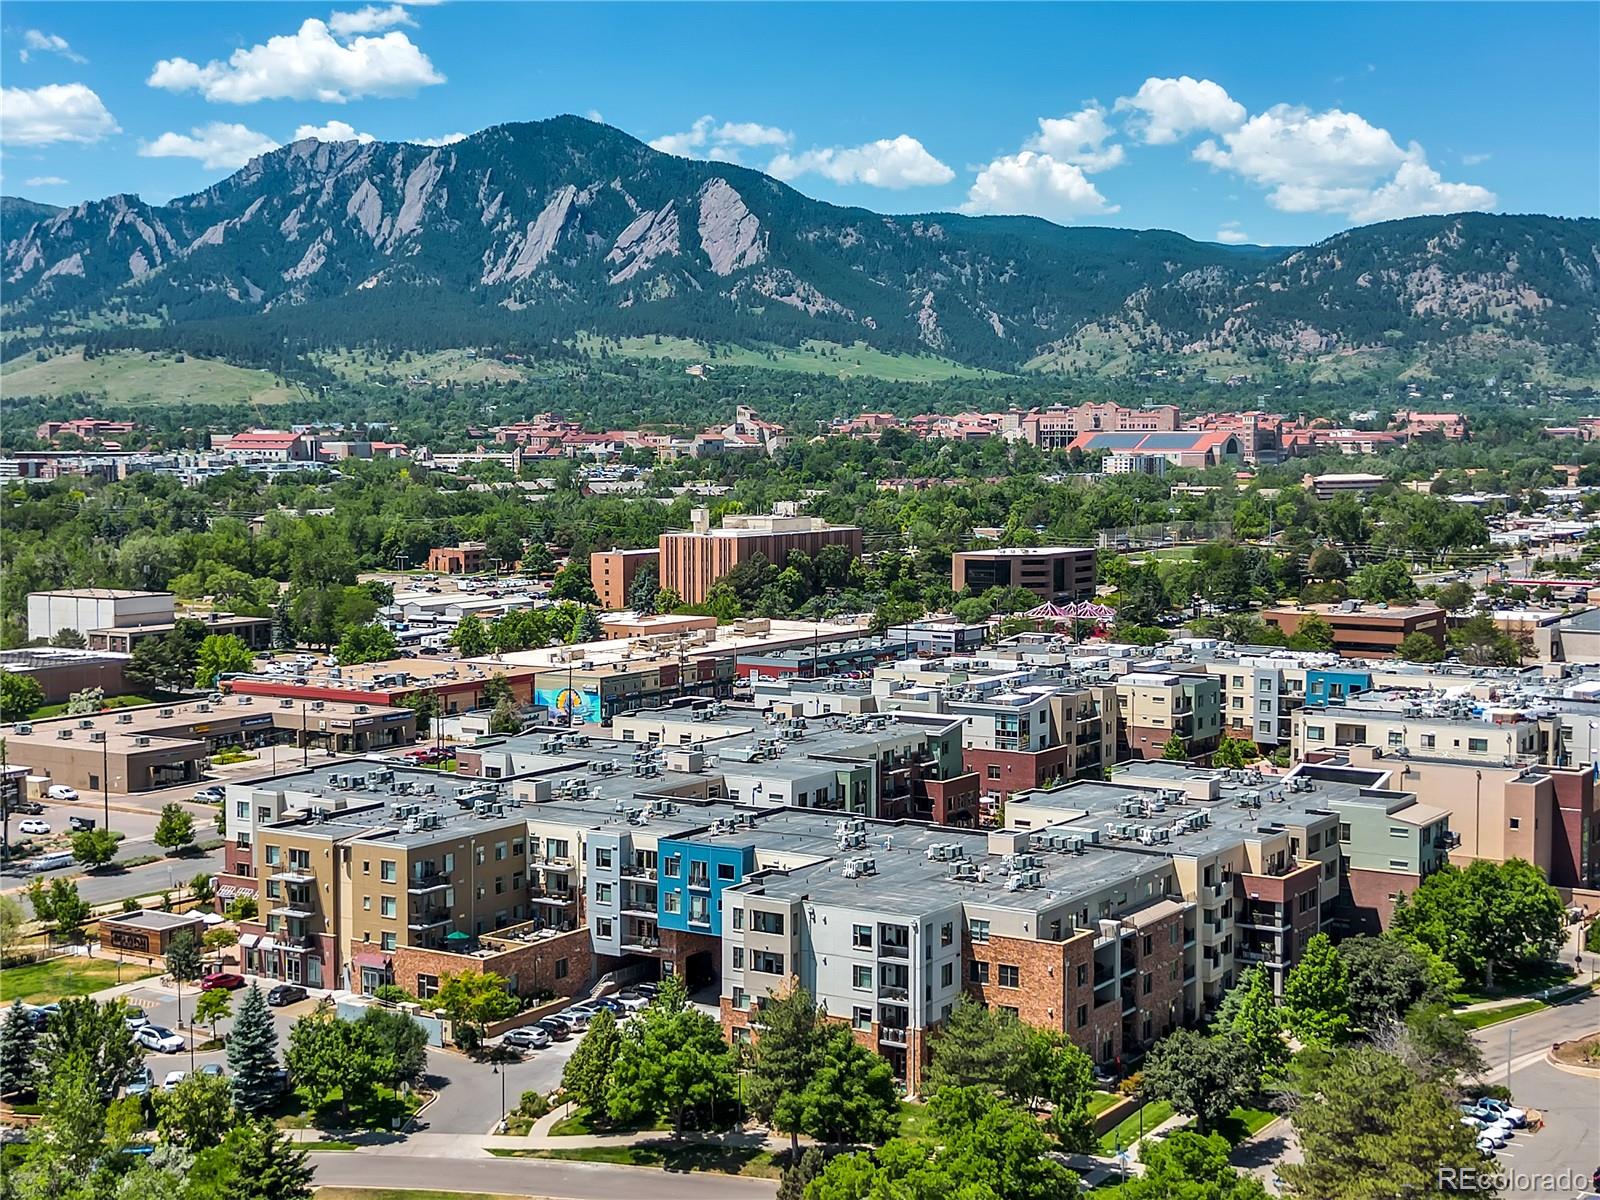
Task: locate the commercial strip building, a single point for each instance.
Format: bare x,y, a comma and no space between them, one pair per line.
691,561
1364,630
156,746
59,672
1049,572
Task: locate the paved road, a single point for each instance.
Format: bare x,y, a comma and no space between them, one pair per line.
395,1168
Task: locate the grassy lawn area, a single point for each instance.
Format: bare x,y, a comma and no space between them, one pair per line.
914,1119
132,377
689,1157
581,1122
58,978
1493,1016
1243,1122
1521,981
1126,1133
327,1147
1100,1101
386,1106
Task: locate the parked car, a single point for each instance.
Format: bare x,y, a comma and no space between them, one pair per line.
1495,1135
577,1017
60,791
210,795
135,1020
173,1079
80,824
650,989
26,808
617,1007
285,993
558,1029
213,1069
34,825
141,1083
631,999
158,1038
527,1037
1503,1111
227,980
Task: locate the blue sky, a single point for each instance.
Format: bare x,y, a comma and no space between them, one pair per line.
1253,122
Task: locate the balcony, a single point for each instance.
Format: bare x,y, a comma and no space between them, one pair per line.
1447,841
641,945
428,918
294,912
295,941
892,1035
552,896
560,861
431,882
900,994
1256,954
293,875
889,950
635,871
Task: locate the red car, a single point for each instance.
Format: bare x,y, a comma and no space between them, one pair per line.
221,979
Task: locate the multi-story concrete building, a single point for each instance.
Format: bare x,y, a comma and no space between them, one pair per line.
612,572
1155,706
1049,572
1364,630
692,560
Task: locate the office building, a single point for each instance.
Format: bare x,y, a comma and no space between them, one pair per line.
1049,572
467,558
1364,630
694,559
612,572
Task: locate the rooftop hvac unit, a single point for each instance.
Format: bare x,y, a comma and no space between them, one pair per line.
286,702
317,706
64,735
166,712
124,718
1014,884
141,740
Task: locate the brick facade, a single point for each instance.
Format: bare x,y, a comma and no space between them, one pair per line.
1003,772
1364,898
565,964
1576,831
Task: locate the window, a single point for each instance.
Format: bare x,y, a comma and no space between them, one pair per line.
390,941
561,968
366,903
602,857
1427,741
1083,974
979,930
1396,738
1083,1015
1010,977
516,847
672,902
1516,822
1314,733
1399,831
673,864
738,918
427,986
1313,842
947,974
387,871
766,922
272,856
388,906
1011,1010
602,927
700,910
861,937
860,977
1478,745
994,772
1399,864
947,933
602,893
1344,831
766,962
860,1018
725,871
978,972
499,851
741,998
242,810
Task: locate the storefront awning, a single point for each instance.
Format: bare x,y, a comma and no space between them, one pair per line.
249,940
368,958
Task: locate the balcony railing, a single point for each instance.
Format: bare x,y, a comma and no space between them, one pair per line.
551,860
1447,841
431,882
890,950
892,1035
893,993
428,918
552,896
634,871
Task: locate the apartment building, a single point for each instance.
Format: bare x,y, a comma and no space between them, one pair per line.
1049,572
1428,726
694,559
1153,706
613,571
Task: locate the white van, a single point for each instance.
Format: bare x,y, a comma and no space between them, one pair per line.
51,862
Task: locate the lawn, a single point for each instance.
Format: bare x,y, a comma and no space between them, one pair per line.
914,1119
1493,1016
690,1156
1520,981
810,357
1245,1122
133,377
1126,1133
386,1107
1100,1101
58,978
581,1122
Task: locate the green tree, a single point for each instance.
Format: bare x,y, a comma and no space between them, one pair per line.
1203,1076
396,1041
175,829
470,638
329,1062
585,628
1312,633
59,905
1385,582
1234,752
70,1137
221,654
1453,597
68,638
1316,995
212,1007
20,695
587,1074
496,689
643,589
12,921
722,602
253,1054
672,1062
1325,563
506,718
1486,917
851,1095
94,848
785,1060
17,1037
96,1031
198,1113
471,1000
1419,647
1367,1127
183,956
1249,1015
968,1051
365,644
200,888
1385,977
256,1161
572,582
798,1176
1188,1166
1175,748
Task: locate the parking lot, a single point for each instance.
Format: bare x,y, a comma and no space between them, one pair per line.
469,1092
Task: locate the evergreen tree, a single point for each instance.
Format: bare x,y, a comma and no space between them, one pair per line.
587,1075
644,589
17,1037
1316,996
795,1177
586,628
253,1054
254,1162
966,1052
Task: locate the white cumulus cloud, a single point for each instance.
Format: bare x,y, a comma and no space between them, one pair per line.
1080,139
897,162
47,43
368,19
57,112
724,142
333,131
1417,189
309,64
1166,110
1038,185
46,181
1230,234
217,145
449,139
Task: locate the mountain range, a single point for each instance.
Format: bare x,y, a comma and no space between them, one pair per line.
539,231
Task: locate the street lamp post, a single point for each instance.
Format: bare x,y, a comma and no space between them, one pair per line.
502,1075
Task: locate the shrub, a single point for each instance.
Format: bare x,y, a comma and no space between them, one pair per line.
533,1105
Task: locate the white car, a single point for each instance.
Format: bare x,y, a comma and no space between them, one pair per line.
34,825
60,791
135,1021
158,1038
172,1079
1505,1112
